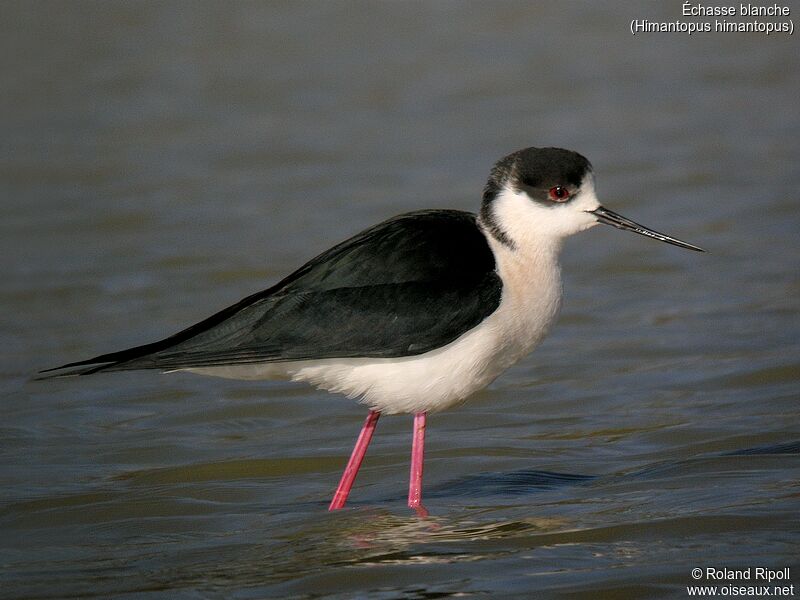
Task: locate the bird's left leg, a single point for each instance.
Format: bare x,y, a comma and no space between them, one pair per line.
351,470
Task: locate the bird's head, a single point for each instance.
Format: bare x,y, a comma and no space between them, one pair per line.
540,196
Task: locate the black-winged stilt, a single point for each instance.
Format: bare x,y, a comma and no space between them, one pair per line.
412,315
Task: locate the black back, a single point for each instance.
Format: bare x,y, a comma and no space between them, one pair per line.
403,287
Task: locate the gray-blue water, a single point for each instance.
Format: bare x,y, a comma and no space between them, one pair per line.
159,161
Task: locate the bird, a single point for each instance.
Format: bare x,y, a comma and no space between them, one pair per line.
412,315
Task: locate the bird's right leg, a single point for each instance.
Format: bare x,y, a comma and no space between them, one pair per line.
356,458
417,461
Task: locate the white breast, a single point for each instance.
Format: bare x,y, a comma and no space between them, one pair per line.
446,376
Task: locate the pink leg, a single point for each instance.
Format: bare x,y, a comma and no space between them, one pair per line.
417,458
356,458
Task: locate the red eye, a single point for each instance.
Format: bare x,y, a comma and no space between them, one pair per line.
559,194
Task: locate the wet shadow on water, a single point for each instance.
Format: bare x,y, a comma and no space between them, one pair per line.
513,483
785,448
526,481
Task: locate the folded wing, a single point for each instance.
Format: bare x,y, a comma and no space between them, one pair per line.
403,287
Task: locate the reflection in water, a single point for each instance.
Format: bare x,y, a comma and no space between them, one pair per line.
393,535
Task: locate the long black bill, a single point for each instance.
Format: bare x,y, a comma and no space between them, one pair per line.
611,218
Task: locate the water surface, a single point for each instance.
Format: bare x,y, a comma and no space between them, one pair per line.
161,161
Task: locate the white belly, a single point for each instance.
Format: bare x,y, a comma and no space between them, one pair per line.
448,375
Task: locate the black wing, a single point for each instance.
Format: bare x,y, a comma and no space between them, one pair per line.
400,288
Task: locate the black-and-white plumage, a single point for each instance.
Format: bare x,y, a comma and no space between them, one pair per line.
414,314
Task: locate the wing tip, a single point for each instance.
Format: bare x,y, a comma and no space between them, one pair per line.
70,370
